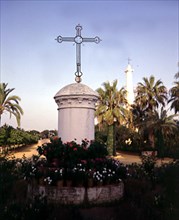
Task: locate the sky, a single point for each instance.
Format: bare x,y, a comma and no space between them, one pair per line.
33,63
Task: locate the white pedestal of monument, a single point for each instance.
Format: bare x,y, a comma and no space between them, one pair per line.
76,107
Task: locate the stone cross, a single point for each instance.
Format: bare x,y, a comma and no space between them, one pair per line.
78,40
129,60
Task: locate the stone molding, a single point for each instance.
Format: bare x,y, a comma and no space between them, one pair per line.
78,195
76,102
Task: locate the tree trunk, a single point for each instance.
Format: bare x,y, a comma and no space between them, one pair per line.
110,139
114,137
151,137
160,144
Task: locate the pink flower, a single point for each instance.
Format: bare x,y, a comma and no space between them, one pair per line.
75,149
70,144
84,161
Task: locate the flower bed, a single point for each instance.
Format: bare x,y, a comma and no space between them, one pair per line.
86,173
82,165
70,173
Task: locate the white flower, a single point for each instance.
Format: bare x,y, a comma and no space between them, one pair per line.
128,141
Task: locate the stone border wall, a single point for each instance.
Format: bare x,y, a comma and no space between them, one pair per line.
78,195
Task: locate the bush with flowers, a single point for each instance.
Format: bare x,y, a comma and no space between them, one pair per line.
148,195
71,151
79,174
77,162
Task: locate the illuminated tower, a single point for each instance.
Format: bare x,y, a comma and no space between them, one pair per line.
129,83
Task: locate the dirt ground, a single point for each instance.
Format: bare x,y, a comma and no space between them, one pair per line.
28,151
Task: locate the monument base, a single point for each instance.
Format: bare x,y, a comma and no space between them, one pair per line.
78,195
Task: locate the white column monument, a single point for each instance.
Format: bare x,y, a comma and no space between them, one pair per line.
76,107
129,83
76,102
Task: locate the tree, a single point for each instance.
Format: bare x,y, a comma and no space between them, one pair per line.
9,104
10,136
111,110
150,95
177,74
174,97
5,132
163,126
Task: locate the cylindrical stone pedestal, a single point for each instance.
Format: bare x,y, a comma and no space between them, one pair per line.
76,107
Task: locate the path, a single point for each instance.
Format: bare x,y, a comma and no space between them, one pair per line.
29,150
129,158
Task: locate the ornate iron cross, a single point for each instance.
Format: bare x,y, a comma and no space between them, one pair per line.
78,40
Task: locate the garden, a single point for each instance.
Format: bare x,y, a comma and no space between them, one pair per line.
151,191
72,164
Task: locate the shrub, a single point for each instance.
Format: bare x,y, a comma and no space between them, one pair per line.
8,175
71,151
97,150
78,161
148,163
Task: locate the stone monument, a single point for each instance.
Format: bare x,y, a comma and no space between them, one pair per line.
76,102
129,84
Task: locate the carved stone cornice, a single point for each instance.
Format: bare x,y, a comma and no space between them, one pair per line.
80,101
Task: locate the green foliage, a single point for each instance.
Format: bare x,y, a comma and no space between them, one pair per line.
8,176
148,163
168,177
52,150
156,128
9,104
12,137
174,96
128,140
101,134
78,162
154,191
32,209
48,133
97,150
111,110
5,134
150,94
71,151
148,195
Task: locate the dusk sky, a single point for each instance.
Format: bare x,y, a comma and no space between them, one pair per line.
37,66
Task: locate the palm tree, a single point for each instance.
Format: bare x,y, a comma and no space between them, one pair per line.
162,126
111,110
9,104
174,94
149,96
177,75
